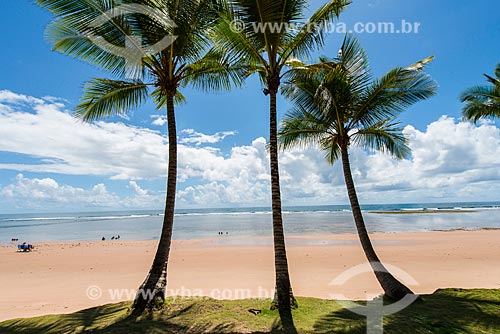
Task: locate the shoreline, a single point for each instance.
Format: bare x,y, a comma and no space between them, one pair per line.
422,212
243,237
56,276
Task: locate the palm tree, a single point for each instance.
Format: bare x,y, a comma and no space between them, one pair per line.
337,105
483,101
185,61
266,41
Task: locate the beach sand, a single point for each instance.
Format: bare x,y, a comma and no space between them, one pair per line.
56,277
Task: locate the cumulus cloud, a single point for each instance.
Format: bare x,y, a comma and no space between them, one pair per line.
452,161
159,120
32,193
59,143
43,129
138,190
199,138
241,178
47,193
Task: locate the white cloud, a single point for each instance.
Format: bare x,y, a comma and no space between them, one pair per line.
198,138
159,120
7,96
62,144
43,129
47,194
138,190
452,161
26,192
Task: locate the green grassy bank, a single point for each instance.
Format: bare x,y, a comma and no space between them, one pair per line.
450,311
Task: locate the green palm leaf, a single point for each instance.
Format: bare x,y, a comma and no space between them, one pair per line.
385,137
311,35
300,128
216,71
396,91
104,97
483,101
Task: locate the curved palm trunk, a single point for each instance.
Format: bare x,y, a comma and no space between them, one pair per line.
283,286
392,287
151,294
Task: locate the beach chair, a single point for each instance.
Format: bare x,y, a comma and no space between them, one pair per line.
25,247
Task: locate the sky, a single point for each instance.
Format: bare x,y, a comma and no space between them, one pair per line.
50,162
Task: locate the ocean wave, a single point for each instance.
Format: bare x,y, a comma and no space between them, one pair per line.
36,219
94,218
189,214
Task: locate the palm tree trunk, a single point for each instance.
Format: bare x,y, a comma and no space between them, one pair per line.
283,286
392,287
151,294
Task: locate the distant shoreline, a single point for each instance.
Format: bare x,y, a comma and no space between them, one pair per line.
317,239
243,241
423,211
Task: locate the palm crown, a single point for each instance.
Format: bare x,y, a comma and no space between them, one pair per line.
483,101
274,35
185,61
337,104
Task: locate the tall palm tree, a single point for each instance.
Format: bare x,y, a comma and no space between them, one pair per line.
483,101
267,41
337,105
185,61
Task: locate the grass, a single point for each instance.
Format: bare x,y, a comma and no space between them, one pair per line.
452,311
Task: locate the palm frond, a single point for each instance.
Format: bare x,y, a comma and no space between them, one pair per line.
75,10
104,98
226,37
331,147
68,40
216,71
482,101
311,35
267,20
399,89
353,61
300,128
301,90
385,137
160,98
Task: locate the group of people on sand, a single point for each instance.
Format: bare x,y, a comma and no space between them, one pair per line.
112,238
24,247
222,233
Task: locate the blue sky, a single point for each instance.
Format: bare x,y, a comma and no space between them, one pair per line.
224,163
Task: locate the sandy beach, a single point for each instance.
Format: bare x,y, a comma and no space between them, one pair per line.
66,277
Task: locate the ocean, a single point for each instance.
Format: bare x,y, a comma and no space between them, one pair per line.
246,222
